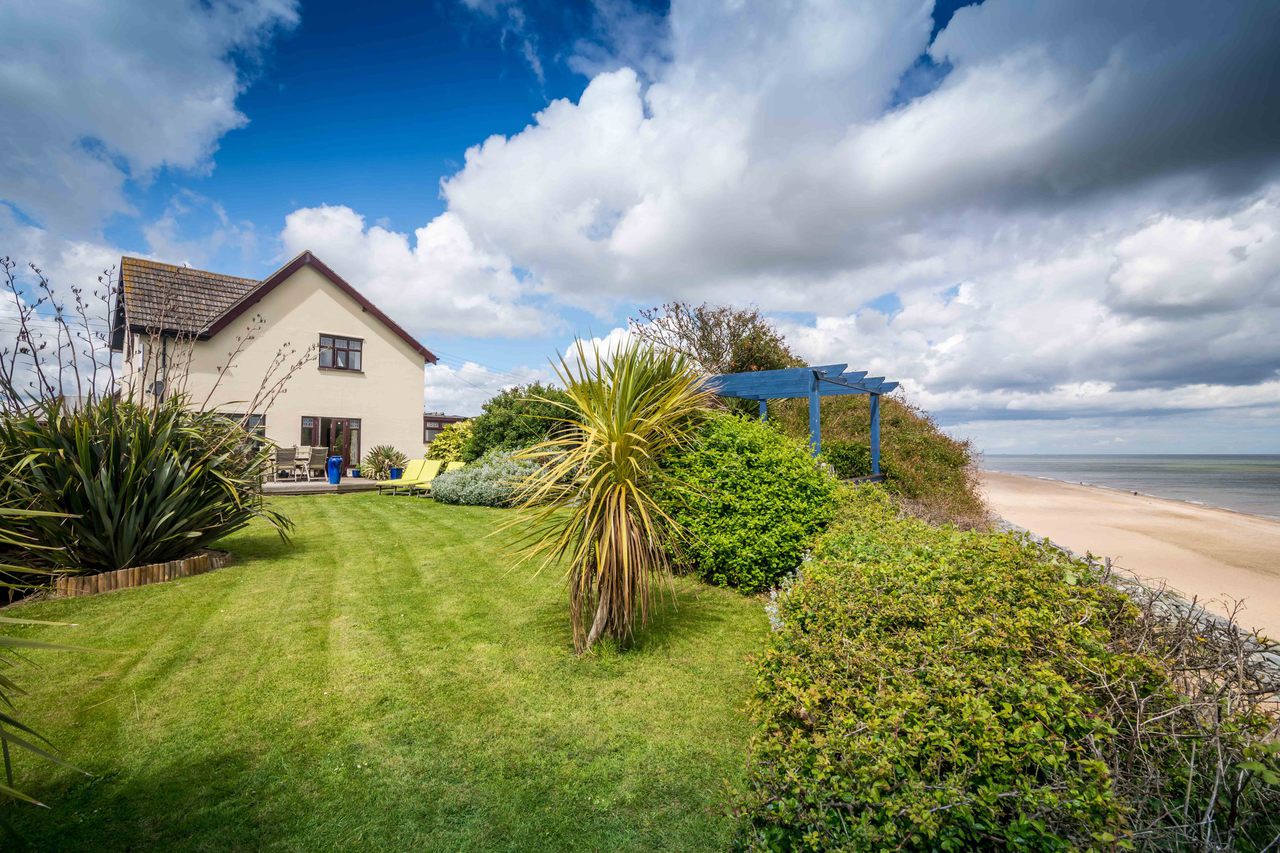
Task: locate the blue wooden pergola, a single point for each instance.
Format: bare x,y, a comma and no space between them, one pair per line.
814,382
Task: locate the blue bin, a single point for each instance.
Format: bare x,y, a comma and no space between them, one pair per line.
335,469
396,473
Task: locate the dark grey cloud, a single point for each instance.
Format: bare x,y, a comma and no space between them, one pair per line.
1173,88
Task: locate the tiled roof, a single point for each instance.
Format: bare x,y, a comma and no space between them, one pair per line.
164,297
171,299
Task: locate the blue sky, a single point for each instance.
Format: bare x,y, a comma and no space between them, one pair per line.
370,110
1059,225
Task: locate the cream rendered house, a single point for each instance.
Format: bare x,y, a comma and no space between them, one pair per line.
361,384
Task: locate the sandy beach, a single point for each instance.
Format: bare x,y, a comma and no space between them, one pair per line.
1215,554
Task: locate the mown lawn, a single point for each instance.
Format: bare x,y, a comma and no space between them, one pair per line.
388,680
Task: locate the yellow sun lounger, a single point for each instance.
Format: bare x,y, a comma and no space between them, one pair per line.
423,486
412,473
428,473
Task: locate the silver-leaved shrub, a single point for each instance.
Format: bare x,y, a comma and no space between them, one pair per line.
491,480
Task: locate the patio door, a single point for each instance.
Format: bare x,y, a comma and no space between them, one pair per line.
340,435
344,439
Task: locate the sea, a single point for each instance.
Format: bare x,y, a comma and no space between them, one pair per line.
1243,483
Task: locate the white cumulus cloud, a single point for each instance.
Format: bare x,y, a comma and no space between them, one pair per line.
438,281
461,387
95,94
1082,208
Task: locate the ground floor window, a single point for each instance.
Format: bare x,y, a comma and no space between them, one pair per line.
434,424
309,432
256,424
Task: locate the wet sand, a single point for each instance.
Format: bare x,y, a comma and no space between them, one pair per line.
1217,555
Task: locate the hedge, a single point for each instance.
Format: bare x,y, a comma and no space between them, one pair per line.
932,689
849,459
451,443
931,473
515,418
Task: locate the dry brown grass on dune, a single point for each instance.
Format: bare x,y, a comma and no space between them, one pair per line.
929,473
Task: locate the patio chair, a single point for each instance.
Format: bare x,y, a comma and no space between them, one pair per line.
300,462
314,462
285,460
411,473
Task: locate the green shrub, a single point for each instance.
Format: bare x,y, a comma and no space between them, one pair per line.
139,485
932,474
518,417
931,689
379,461
491,481
451,443
849,459
749,500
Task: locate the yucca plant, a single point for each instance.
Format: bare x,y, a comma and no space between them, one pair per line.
141,477
592,499
379,461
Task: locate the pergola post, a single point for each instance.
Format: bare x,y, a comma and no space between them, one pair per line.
815,382
815,414
875,434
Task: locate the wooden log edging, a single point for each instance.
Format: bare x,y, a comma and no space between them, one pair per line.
205,561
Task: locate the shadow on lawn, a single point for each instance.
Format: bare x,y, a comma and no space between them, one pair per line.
696,610
180,806
262,545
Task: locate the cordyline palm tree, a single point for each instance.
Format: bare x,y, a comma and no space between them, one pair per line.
592,500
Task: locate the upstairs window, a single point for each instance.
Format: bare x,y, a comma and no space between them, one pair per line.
341,353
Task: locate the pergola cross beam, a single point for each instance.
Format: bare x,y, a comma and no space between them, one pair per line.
814,382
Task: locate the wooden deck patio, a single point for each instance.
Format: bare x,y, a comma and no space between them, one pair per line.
318,487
